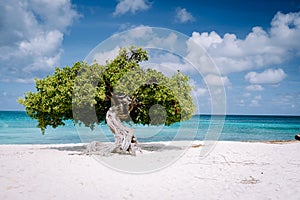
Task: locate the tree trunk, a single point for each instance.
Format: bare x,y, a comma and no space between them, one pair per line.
125,141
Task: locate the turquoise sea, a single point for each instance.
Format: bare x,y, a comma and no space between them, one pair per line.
17,128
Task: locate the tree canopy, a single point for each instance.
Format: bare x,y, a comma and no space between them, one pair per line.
82,88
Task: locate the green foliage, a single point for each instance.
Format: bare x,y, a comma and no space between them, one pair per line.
150,87
83,89
52,103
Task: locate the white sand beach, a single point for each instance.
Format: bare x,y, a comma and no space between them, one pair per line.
233,170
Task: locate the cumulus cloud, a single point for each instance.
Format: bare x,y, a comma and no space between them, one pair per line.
241,103
165,62
132,6
260,48
132,36
287,100
169,41
255,102
200,91
269,76
215,80
255,88
102,57
31,36
150,37
198,57
258,97
247,94
183,16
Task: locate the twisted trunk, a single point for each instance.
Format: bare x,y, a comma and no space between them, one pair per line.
125,140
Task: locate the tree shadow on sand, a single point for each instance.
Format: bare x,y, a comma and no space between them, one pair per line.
84,149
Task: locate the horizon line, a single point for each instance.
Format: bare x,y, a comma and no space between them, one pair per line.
209,114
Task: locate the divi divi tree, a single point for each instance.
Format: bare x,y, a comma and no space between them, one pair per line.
119,91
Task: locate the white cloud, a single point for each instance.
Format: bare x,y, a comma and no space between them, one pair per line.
200,91
125,6
183,16
137,34
31,36
286,29
287,100
150,37
160,42
24,80
214,80
247,94
254,103
258,97
102,57
241,103
255,88
259,49
42,44
207,39
197,89
269,76
198,57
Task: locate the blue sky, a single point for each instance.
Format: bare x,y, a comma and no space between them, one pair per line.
255,44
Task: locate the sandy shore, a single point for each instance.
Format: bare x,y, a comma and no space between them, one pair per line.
233,170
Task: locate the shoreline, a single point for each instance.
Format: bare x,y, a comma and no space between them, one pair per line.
190,141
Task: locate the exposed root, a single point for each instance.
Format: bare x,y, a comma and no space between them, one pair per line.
99,148
107,149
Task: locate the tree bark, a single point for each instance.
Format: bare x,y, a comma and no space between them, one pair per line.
125,141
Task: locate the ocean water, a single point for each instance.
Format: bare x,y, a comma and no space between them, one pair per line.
17,128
